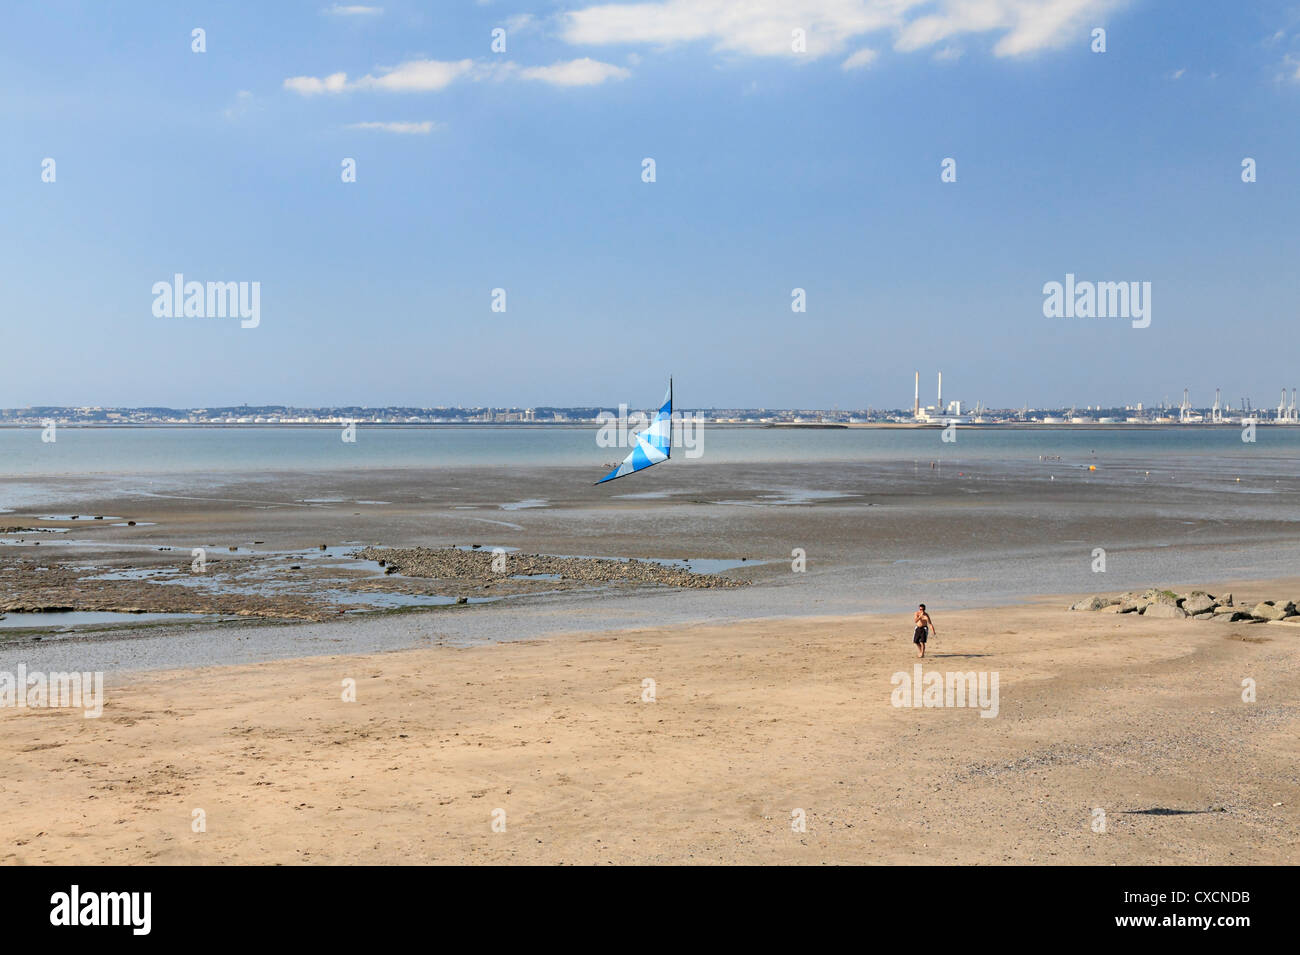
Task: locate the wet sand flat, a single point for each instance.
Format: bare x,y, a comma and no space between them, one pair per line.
874,536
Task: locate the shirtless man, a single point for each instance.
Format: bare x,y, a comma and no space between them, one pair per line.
924,627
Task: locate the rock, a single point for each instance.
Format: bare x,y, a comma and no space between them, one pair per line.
1164,610
1234,615
1203,616
462,600
1225,600
1221,610
1197,604
1089,603
1268,610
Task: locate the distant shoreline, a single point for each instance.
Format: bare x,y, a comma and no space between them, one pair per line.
593,424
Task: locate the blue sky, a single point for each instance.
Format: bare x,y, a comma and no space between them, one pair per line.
521,170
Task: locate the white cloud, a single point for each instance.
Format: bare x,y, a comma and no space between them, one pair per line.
417,76
414,76
422,128
764,27
948,54
580,72
353,10
1178,74
311,85
864,57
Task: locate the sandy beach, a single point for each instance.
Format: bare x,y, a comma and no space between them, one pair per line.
750,722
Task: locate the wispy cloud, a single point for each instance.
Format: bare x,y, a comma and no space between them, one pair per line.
1290,68
414,76
422,128
863,58
522,23
353,10
580,72
764,27
427,76
242,104
1178,74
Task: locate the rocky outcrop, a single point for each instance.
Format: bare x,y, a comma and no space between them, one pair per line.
1199,605
452,563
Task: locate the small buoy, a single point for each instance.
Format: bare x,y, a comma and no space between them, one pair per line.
1092,467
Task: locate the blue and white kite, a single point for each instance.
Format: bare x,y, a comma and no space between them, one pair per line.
653,445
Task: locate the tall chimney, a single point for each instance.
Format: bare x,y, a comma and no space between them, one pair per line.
916,397
939,407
